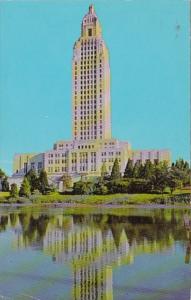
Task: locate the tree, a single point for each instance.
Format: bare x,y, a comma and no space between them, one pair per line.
174,183
118,186
43,182
83,188
159,178
137,169
104,172
5,184
147,170
115,173
100,189
180,164
129,169
25,189
14,190
67,181
2,174
138,185
181,171
33,180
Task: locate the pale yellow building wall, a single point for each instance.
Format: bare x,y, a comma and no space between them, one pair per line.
20,159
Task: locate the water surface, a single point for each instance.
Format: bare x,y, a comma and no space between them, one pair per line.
50,254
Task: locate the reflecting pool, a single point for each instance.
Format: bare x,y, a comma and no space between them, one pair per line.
60,253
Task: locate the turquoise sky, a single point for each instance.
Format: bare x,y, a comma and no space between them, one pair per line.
148,41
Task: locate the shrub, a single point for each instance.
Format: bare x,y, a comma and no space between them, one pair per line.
118,186
83,188
138,186
14,191
100,189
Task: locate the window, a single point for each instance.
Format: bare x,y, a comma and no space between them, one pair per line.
32,165
25,167
39,165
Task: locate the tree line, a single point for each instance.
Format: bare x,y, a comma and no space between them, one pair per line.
32,183
148,177
138,177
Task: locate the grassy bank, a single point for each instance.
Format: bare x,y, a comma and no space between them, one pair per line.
178,196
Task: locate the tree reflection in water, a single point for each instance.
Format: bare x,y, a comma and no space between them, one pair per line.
94,244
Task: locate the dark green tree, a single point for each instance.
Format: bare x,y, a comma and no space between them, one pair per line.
181,171
25,189
173,183
138,185
180,164
14,190
100,189
128,173
159,178
118,186
83,188
186,166
33,180
5,184
104,172
147,170
115,173
2,174
43,182
137,169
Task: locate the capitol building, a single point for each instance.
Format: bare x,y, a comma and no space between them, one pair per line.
92,144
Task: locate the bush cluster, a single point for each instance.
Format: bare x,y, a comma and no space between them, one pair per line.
138,178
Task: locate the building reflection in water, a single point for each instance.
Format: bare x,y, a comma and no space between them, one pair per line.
95,244
92,254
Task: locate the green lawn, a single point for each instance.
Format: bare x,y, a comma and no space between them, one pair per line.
97,199
113,199
4,196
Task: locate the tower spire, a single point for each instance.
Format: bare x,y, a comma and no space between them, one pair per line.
91,9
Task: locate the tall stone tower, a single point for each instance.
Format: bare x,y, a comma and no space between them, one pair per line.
90,83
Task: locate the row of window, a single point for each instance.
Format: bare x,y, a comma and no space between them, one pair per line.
74,168
84,78
88,111
90,63
57,161
88,73
88,123
57,169
90,41
84,75
50,155
86,107
89,117
89,99
88,127
88,82
88,137
110,153
93,67
39,166
90,91
88,134
87,52
94,70
86,147
110,160
83,47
